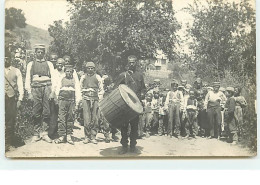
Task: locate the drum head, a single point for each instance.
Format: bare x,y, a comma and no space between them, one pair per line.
130,98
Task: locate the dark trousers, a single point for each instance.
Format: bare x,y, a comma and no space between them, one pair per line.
90,118
66,117
155,123
41,109
10,119
53,127
174,123
191,126
133,133
214,118
103,124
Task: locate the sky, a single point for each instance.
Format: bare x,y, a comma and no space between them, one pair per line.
41,13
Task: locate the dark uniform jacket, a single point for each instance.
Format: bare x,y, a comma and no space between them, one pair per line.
134,80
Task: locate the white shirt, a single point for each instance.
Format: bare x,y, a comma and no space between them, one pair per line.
19,80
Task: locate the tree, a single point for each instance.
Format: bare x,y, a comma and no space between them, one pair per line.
14,18
222,32
106,32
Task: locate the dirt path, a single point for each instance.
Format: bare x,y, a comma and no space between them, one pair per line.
152,146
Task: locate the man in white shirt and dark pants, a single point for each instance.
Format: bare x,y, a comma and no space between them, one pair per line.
13,97
39,85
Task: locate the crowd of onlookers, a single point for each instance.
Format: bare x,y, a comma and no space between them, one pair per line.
189,111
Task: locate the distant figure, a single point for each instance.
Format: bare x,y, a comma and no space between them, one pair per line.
213,108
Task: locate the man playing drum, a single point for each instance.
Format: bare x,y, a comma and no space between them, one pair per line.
134,80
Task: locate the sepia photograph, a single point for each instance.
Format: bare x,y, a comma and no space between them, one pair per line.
130,79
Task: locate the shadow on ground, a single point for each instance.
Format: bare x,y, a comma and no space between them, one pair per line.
113,152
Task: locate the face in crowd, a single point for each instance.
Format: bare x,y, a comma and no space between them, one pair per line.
67,60
237,91
7,62
60,64
69,72
216,88
90,70
40,53
192,94
53,59
174,86
156,95
132,63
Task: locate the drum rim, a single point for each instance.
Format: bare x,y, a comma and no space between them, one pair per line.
137,107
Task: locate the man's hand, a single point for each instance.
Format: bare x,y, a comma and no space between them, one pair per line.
18,105
80,104
30,96
51,97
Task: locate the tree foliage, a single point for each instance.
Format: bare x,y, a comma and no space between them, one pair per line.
14,18
106,32
223,38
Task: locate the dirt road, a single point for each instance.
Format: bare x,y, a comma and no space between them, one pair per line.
152,146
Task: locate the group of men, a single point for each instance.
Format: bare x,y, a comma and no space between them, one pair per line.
57,93
187,111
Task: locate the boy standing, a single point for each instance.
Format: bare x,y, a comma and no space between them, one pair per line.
92,91
68,94
173,104
191,108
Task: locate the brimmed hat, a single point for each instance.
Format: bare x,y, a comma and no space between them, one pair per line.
188,86
216,84
131,57
90,64
222,89
157,80
210,88
183,81
180,87
174,81
231,89
198,80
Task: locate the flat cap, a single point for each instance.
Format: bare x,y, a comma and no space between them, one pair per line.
230,89
216,84
90,64
68,66
39,46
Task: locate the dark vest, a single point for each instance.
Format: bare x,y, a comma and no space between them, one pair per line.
12,78
40,68
90,82
192,102
66,94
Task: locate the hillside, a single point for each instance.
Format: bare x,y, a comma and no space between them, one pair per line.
33,34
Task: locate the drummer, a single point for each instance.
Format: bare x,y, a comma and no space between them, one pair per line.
134,80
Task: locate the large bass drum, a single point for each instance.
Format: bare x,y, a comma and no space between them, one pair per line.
120,106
